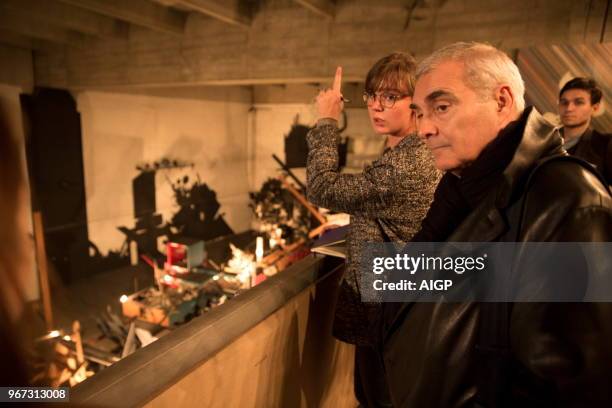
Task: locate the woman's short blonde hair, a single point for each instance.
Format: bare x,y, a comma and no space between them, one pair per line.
393,72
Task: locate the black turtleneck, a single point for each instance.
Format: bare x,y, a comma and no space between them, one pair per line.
456,197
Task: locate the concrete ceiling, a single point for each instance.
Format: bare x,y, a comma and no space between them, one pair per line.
180,43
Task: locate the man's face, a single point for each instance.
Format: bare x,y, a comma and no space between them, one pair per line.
575,108
397,120
455,122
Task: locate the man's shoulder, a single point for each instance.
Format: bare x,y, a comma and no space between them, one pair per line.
568,180
566,201
601,140
595,140
607,136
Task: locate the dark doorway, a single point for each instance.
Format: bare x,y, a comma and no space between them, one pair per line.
55,160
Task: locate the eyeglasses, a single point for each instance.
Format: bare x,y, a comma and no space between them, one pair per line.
386,99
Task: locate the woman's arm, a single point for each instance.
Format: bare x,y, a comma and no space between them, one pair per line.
369,191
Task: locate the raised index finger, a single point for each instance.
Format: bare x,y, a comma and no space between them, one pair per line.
337,80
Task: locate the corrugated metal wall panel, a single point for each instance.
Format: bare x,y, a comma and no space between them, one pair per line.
546,69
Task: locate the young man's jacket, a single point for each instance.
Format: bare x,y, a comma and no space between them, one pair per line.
558,354
596,148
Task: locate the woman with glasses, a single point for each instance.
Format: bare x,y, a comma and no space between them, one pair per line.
387,201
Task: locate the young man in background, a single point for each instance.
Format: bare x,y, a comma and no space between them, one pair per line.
579,100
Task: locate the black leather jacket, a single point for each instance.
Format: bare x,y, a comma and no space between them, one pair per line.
558,354
596,148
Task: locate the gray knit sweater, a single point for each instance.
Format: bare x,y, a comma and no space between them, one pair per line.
392,195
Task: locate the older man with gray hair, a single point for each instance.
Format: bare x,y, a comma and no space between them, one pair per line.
507,179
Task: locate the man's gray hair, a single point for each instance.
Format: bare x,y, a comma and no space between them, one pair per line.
486,68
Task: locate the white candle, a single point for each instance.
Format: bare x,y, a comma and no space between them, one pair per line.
259,249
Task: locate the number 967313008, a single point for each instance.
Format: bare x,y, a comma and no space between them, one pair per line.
34,394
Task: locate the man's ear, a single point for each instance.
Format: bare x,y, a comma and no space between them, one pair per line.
596,107
505,99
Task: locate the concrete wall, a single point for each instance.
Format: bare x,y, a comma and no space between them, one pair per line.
16,67
122,131
229,133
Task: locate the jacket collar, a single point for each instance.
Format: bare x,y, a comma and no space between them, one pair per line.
486,223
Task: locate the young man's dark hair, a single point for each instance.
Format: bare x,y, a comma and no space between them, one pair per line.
586,84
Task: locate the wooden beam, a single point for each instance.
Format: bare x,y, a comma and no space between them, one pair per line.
19,24
228,12
214,82
69,17
43,273
324,8
300,197
16,40
139,12
21,41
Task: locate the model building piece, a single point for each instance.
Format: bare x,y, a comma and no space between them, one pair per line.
166,309
184,254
